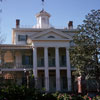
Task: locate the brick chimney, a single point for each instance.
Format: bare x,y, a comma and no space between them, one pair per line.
17,23
70,25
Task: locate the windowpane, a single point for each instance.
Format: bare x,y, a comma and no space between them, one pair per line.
26,60
22,37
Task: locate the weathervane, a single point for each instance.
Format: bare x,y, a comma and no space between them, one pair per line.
43,4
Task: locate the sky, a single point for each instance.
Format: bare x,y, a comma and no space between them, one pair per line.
61,11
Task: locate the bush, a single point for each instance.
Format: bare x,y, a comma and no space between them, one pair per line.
23,93
18,93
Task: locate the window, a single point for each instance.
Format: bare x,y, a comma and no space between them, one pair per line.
0,59
42,62
22,37
51,37
63,61
26,60
43,19
42,82
64,79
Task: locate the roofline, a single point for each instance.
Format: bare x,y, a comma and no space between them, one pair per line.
42,29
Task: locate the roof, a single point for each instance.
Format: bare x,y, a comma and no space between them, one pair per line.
43,13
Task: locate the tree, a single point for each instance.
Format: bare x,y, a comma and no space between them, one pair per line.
86,52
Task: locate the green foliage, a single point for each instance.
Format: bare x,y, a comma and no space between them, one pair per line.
18,93
23,93
69,97
15,92
84,55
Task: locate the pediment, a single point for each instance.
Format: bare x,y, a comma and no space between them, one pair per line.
51,34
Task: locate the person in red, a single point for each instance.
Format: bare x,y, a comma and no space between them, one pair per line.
79,84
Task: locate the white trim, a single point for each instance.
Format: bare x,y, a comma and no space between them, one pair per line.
37,35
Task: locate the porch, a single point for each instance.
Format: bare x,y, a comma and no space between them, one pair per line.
52,80
13,59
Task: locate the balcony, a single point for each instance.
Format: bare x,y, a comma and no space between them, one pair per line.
15,66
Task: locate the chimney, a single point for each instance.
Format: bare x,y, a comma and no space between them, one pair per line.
70,25
17,23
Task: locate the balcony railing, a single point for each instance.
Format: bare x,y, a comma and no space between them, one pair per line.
14,66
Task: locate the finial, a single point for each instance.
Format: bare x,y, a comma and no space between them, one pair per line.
42,4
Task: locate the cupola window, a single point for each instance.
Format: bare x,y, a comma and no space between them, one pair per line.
43,19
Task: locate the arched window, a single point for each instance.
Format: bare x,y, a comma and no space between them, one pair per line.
51,37
8,58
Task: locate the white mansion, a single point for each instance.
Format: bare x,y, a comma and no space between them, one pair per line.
42,49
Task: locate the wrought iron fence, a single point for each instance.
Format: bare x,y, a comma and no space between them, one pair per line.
14,66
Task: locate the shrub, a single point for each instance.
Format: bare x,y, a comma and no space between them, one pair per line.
16,92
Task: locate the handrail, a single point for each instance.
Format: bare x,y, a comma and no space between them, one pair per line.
11,65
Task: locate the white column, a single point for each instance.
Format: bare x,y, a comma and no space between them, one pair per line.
57,69
35,65
46,69
68,69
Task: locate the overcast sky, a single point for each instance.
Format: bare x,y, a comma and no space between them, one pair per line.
61,11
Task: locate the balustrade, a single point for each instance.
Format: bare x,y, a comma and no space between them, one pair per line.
14,66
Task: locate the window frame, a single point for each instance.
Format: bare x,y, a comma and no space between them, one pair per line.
22,37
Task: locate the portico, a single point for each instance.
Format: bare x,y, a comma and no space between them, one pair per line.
52,73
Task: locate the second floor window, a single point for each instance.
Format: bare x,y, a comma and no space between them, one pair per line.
22,37
27,60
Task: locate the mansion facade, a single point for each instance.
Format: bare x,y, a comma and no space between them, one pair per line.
42,49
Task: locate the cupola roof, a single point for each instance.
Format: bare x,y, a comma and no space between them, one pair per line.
43,13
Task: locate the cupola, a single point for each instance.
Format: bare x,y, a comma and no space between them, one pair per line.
43,19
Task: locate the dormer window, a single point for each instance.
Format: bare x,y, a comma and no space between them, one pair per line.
22,37
51,37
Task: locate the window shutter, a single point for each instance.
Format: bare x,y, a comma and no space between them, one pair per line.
18,37
23,59
26,37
